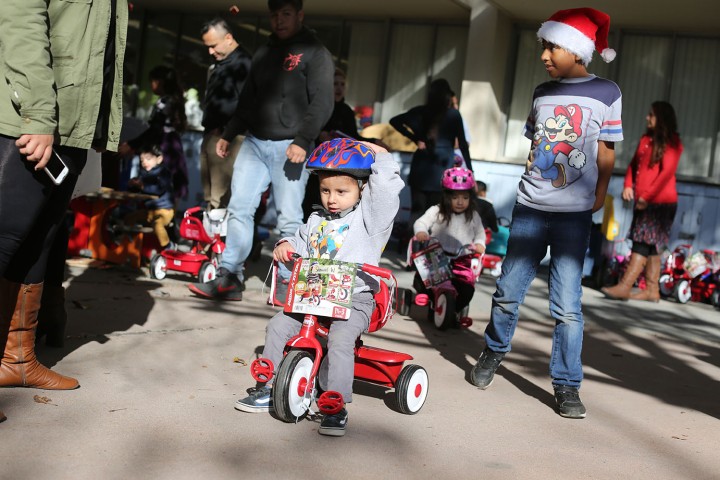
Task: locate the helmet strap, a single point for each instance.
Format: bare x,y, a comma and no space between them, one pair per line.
327,215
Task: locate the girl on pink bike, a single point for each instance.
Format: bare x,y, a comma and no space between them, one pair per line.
454,223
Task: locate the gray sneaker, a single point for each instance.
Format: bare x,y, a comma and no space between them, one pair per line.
258,400
334,425
568,402
483,373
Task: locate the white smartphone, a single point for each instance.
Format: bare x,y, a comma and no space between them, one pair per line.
56,168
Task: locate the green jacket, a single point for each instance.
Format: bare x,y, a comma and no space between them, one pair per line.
51,78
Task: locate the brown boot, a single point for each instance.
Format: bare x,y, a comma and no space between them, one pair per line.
52,317
18,320
621,291
652,276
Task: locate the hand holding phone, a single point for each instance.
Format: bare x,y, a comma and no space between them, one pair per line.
56,168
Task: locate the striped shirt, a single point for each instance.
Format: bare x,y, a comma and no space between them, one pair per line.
568,119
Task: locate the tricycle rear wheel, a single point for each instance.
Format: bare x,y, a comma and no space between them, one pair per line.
411,389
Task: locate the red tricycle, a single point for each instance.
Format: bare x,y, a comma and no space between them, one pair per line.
203,258
496,250
437,272
295,380
687,276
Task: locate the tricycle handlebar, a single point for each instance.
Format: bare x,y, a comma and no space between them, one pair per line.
377,271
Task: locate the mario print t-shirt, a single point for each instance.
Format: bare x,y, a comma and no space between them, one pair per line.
568,119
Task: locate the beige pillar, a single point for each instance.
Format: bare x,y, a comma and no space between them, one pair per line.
484,86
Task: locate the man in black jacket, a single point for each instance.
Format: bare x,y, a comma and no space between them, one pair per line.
285,102
226,78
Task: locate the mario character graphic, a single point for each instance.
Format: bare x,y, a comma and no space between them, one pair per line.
555,137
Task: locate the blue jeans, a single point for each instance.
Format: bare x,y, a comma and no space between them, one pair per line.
531,233
258,164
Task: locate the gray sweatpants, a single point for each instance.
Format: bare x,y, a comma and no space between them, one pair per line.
338,367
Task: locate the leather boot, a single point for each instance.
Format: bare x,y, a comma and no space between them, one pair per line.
18,321
652,276
52,317
621,291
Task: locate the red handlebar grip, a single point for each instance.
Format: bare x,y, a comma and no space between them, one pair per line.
191,210
377,271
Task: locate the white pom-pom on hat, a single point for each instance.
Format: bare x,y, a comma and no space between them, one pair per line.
608,55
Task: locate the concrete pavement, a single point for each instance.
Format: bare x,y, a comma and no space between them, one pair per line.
158,384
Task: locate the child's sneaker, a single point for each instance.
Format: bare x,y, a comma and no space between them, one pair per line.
334,425
568,402
258,400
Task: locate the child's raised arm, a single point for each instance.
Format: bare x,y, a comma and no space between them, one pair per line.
381,195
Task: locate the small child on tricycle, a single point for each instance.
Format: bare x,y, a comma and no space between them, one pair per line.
359,190
155,179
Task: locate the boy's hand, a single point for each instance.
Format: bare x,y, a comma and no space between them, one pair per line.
283,252
479,248
125,150
295,154
422,237
221,148
135,184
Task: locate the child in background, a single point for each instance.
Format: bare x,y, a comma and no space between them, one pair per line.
167,122
573,124
454,222
485,207
359,189
155,179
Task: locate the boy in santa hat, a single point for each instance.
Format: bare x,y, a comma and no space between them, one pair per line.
573,124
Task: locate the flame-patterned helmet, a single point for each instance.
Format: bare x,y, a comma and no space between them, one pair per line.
342,155
458,178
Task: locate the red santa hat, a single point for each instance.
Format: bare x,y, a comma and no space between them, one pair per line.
579,31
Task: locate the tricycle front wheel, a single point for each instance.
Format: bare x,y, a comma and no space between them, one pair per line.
158,267
207,272
292,391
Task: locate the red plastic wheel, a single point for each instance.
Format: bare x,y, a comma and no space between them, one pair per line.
262,370
330,402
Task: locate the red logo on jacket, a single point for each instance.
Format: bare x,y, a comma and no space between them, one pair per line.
291,62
